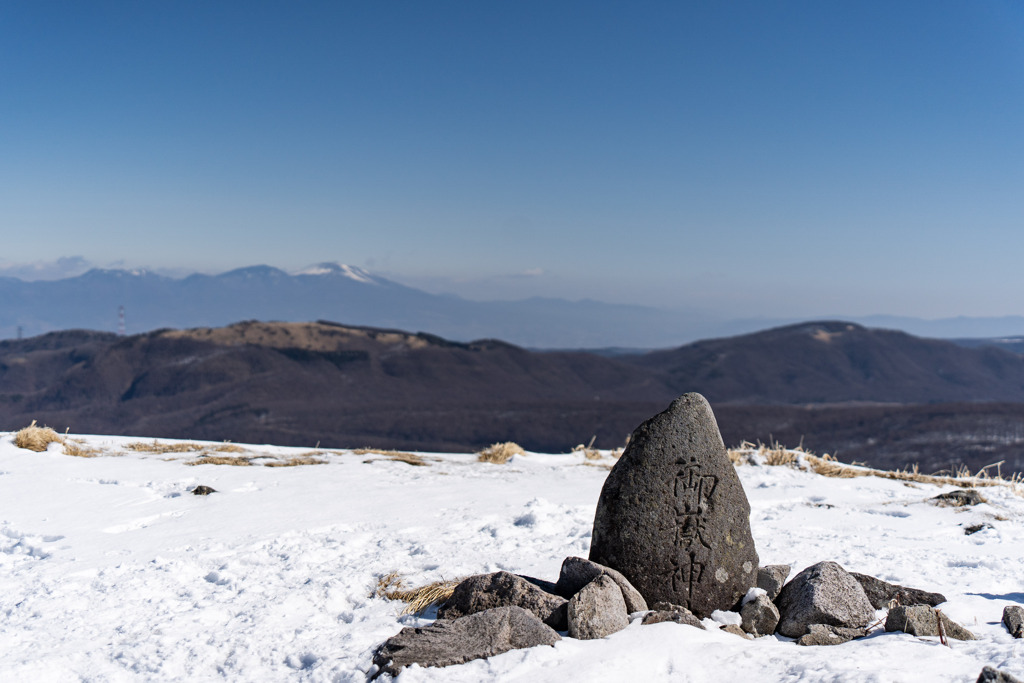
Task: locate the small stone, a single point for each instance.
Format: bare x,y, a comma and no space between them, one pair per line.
975,528
772,578
203,490
577,572
736,631
760,616
502,589
597,610
672,515
880,593
990,675
824,593
1013,620
959,498
668,612
824,634
923,620
446,642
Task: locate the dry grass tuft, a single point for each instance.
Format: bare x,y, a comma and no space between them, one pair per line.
182,447
297,461
500,453
400,456
588,451
36,438
391,587
79,449
234,460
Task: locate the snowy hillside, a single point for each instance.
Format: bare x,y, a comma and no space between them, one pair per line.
112,570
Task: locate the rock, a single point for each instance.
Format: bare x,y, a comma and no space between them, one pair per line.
447,642
990,675
975,528
823,634
597,610
1013,620
772,578
203,490
760,616
735,630
665,611
823,593
959,498
501,589
923,620
673,517
578,572
880,593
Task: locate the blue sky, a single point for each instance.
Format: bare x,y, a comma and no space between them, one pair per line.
777,159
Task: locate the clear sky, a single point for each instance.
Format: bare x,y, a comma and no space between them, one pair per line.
756,158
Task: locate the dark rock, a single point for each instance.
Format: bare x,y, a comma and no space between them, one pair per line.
923,620
959,498
772,578
760,616
990,675
824,593
203,490
823,634
597,610
673,517
501,589
1013,620
975,528
447,642
880,593
546,586
665,611
736,631
578,572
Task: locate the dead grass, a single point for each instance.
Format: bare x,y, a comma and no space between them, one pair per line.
392,587
79,449
234,460
38,439
827,466
400,456
588,451
500,453
162,447
297,461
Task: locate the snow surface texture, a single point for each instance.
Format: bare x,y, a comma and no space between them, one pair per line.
112,571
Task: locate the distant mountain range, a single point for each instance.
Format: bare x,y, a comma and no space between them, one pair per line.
878,396
333,291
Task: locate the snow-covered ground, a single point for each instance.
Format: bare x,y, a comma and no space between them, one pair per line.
110,570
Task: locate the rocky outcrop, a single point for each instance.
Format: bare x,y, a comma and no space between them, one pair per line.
577,572
673,517
502,589
446,642
824,593
922,620
880,593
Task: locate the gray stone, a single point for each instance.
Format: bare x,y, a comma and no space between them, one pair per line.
578,572
923,620
673,517
990,675
959,498
771,578
760,616
501,589
447,642
597,610
824,593
880,593
823,634
203,490
736,631
664,611
1013,620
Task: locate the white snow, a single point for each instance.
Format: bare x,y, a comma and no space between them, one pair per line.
332,268
110,570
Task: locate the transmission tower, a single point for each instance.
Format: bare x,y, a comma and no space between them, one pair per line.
120,321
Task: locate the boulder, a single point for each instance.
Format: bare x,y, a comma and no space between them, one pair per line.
672,515
664,611
577,572
824,593
736,631
1013,620
880,593
823,634
502,589
772,578
203,490
760,616
990,675
923,620
959,498
597,610
447,642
